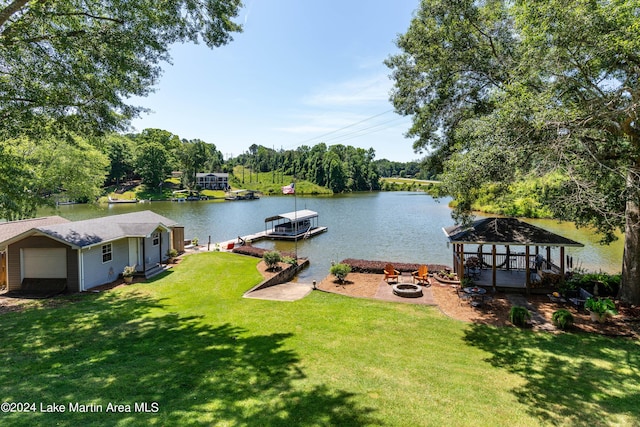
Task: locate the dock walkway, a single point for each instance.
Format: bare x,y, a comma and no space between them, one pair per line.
250,238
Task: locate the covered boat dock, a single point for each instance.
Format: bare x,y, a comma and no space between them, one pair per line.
242,194
529,265
293,225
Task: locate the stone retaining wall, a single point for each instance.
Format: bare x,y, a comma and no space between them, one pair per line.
282,276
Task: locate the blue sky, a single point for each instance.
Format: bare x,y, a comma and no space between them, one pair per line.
301,73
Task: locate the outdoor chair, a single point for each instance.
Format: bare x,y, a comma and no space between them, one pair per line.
473,267
579,297
390,273
422,275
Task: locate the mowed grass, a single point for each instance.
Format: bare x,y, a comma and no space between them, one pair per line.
190,344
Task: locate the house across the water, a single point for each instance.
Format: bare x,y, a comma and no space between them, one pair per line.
213,181
47,254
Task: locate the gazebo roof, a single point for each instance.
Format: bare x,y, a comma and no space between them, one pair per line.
505,231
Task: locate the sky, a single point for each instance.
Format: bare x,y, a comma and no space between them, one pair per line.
301,72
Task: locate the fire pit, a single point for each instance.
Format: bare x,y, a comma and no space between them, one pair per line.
407,290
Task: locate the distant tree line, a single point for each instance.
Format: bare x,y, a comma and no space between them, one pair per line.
152,154
338,167
78,168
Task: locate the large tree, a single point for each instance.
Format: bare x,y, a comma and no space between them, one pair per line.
77,61
32,171
503,90
197,156
152,163
69,68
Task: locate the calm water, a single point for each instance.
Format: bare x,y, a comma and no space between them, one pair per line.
386,226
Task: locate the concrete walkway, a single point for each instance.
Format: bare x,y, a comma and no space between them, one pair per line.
290,291
293,291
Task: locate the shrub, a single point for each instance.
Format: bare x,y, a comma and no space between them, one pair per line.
466,282
340,271
519,315
272,258
290,260
562,318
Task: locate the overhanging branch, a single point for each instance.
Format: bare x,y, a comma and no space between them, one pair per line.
10,10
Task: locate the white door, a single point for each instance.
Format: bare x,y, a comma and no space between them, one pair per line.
44,263
134,252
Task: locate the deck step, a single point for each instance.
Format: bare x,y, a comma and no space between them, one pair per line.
154,271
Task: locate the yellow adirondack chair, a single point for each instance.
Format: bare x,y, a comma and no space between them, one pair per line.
422,275
390,273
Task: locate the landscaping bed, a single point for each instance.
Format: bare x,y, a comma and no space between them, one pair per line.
496,313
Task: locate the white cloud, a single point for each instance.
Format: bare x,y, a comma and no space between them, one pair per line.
360,91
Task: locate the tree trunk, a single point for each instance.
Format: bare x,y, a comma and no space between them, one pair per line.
630,288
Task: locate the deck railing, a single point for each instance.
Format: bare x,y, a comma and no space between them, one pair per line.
511,261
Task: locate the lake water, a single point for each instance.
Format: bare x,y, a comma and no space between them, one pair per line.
384,226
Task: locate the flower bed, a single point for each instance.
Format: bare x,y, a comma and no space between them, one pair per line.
377,267
257,252
446,278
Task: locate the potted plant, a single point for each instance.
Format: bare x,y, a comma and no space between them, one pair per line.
600,308
340,271
128,273
171,255
519,315
562,318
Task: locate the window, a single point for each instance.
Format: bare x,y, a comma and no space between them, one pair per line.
155,238
106,253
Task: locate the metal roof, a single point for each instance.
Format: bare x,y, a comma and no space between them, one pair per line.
505,231
294,216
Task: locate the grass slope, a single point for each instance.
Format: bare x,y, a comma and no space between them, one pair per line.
191,344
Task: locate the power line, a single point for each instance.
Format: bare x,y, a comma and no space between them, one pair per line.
343,128
358,133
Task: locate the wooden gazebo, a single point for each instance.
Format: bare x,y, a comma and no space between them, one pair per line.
508,232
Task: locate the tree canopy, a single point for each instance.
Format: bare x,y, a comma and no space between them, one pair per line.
76,62
67,71
505,90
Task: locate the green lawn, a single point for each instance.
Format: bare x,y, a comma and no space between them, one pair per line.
188,343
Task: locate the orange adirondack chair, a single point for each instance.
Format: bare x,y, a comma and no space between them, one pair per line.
422,275
390,273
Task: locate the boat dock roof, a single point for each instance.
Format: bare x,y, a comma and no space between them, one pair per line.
294,216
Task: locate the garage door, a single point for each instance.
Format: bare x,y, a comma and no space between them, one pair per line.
44,263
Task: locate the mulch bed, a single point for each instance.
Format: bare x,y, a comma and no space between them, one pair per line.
496,312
